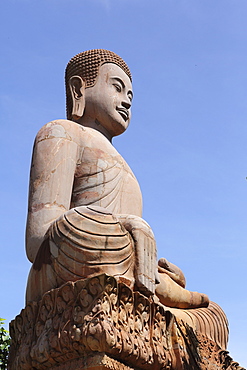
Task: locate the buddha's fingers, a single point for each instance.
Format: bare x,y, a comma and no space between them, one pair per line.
145,252
145,262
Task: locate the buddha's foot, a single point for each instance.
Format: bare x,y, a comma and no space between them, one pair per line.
171,294
171,270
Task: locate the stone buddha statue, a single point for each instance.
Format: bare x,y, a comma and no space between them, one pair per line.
85,204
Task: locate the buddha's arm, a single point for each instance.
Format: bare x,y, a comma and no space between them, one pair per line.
51,180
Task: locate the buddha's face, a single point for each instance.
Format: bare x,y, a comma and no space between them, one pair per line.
108,102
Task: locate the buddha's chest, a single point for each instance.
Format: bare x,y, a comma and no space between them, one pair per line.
103,178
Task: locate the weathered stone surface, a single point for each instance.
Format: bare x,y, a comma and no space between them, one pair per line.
89,323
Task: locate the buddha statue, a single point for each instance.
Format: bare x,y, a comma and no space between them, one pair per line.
85,204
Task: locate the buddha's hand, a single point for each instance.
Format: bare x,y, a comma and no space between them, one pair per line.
171,270
145,252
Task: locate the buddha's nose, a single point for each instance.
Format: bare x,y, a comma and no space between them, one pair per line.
126,104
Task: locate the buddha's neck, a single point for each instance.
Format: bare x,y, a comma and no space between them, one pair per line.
96,125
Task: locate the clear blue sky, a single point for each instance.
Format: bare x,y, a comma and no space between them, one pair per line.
187,141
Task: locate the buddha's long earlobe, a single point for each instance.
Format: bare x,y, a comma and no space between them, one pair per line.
77,89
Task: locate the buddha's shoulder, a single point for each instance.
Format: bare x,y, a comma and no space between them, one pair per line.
62,129
84,137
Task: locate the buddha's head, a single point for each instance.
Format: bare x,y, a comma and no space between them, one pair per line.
99,89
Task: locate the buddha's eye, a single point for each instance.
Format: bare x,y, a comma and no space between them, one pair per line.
117,87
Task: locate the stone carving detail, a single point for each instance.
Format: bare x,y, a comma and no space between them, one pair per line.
99,315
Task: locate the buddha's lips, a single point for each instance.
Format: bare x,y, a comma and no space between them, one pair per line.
124,113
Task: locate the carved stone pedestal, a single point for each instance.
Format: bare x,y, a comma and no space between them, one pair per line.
100,324
93,361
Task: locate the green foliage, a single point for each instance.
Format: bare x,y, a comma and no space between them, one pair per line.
4,345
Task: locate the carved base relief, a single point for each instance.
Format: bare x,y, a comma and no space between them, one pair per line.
98,323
